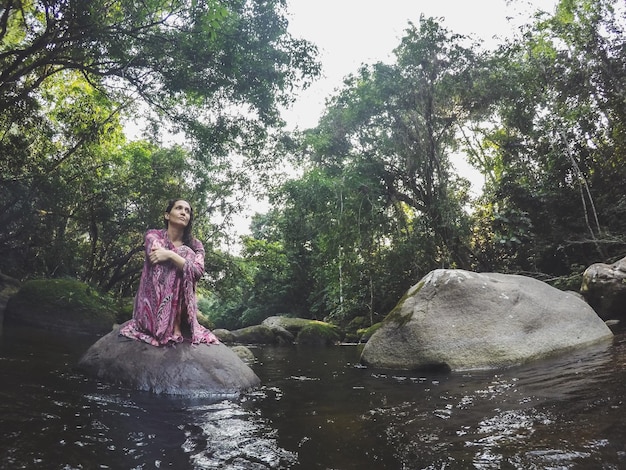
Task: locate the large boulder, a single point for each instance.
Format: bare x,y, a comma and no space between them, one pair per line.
461,320
183,369
604,287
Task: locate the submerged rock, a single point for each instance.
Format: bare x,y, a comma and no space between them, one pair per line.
183,369
244,353
461,320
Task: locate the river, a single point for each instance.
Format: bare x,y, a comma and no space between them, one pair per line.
317,409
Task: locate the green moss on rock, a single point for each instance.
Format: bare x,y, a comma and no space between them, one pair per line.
62,305
318,333
366,333
291,324
205,321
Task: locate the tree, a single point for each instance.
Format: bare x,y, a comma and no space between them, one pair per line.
70,71
400,121
377,206
554,146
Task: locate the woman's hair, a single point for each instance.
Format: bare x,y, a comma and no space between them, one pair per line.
188,232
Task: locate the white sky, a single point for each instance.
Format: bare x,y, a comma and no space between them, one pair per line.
349,33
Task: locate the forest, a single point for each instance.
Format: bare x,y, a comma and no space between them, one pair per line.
361,206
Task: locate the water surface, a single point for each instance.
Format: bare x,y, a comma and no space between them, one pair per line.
317,409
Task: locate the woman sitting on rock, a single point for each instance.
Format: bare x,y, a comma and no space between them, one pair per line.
165,304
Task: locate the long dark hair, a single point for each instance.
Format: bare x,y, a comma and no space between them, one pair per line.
188,232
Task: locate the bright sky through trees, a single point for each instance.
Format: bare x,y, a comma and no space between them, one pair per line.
352,32
349,33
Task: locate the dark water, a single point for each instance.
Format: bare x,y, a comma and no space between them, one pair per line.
317,409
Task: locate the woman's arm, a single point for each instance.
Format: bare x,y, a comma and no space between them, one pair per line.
161,255
194,258
196,264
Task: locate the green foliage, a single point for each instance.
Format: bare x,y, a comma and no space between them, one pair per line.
75,197
69,297
124,309
377,203
554,145
177,55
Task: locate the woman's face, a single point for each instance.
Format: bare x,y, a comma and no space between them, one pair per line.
179,214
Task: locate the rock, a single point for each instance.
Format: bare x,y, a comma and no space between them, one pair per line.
318,334
292,325
461,320
366,333
305,331
225,336
257,334
61,305
356,328
604,287
282,335
244,353
183,369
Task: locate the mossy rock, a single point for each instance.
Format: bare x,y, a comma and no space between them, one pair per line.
256,334
291,324
354,329
318,334
224,335
366,333
205,321
62,305
358,323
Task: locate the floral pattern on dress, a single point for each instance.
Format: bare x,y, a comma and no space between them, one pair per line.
165,292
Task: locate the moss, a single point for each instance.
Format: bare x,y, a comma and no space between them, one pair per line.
68,295
291,324
64,304
366,333
318,333
353,328
205,321
358,323
396,315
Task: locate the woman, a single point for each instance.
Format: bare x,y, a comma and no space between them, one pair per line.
165,303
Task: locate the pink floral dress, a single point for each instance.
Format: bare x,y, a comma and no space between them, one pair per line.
165,293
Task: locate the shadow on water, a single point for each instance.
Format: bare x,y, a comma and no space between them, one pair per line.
317,409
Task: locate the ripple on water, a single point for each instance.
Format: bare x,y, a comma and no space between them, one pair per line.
227,436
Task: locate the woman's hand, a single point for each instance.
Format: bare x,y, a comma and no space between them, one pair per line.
159,255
